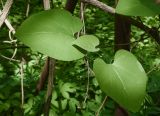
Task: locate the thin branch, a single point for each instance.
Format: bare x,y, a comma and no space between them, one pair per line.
8,24
22,77
15,50
88,80
13,41
10,59
153,32
43,76
82,8
5,11
154,68
85,60
100,5
150,31
98,111
28,8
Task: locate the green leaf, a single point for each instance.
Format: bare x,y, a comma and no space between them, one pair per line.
51,32
5,106
64,104
92,105
55,103
98,99
52,113
87,42
138,7
154,82
69,114
72,104
124,80
65,94
67,88
54,95
2,96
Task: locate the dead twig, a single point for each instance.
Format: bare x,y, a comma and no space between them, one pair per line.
5,11
100,5
8,24
21,78
98,111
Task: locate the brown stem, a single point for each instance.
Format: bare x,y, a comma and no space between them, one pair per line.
100,5
43,77
49,86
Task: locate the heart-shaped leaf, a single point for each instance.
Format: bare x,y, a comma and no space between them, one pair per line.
87,42
52,32
138,7
124,80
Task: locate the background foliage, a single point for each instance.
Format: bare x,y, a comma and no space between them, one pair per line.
69,96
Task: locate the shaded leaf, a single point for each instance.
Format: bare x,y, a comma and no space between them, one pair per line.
124,80
72,104
67,88
154,82
52,113
87,42
64,104
55,103
138,7
54,95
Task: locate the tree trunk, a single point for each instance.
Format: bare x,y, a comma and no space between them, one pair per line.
122,41
122,32
70,5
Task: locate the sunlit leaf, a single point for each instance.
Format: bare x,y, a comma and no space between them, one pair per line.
51,32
